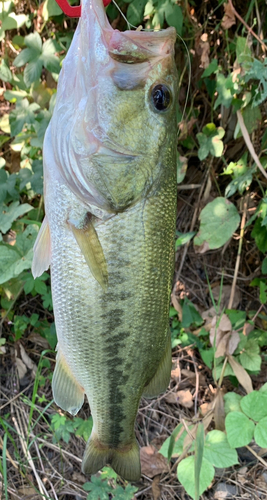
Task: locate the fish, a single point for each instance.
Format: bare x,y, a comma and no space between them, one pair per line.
108,234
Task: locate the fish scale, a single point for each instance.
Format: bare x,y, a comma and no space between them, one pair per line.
108,234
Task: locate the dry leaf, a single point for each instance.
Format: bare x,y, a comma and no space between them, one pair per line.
203,49
176,373
156,489
186,128
248,328
226,339
228,19
36,338
192,377
224,296
21,367
27,360
183,398
241,374
177,306
152,462
219,414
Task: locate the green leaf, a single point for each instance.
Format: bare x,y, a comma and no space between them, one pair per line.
51,9
99,489
212,68
173,446
24,113
264,266
260,433
17,258
218,221
190,315
186,475
33,71
11,213
5,73
25,56
84,428
232,402
254,405
135,12
127,493
264,388
174,16
259,233
183,239
217,450
199,449
34,42
210,141
250,358
226,89
239,429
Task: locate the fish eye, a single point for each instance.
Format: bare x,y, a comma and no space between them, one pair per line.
161,97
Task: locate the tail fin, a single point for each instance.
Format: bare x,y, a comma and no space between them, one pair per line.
125,461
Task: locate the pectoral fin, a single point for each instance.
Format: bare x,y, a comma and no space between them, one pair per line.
67,392
161,379
41,250
92,251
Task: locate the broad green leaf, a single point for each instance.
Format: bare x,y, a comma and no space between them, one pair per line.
190,315
212,68
243,52
34,41
239,429
135,12
226,89
186,475
217,450
4,123
51,9
33,71
17,258
259,233
199,449
172,446
210,141
264,266
9,214
25,56
232,402
174,16
218,221
5,73
14,95
254,405
260,433
24,113
216,372
126,493
264,388
250,358
14,21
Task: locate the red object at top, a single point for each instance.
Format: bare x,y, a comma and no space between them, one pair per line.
76,10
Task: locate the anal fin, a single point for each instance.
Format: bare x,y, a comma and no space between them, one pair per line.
92,250
67,392
159,383
41,250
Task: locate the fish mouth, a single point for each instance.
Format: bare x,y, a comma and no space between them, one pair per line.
130,46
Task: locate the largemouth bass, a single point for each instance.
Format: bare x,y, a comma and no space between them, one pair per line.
108,234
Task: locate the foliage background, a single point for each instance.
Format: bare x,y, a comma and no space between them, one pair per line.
218,312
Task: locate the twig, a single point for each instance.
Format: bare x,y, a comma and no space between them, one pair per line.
257,456
249,143
250,30
242,229
56,448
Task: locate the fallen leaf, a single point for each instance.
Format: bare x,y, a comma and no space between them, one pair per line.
241,374
192,377
183,398
177,306
152,462
228,19
203,50
226,339
27,360
248,328
224,294
219,414
156,489
176,373
21,367
36,338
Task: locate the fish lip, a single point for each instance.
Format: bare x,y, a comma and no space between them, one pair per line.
130,46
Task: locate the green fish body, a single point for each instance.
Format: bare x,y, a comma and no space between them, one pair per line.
108,234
